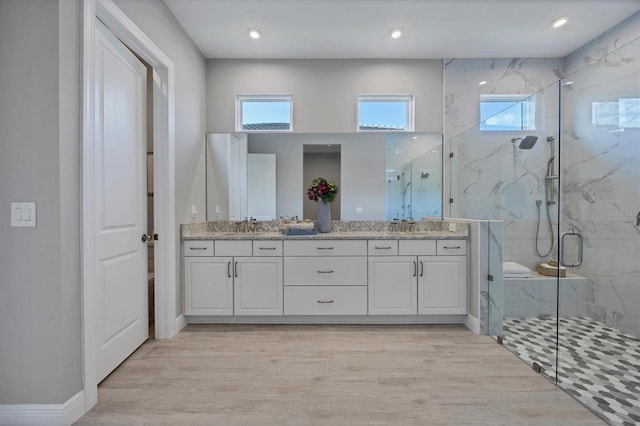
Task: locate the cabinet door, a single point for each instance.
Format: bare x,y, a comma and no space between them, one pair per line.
258,286
208,286
442,285
393,285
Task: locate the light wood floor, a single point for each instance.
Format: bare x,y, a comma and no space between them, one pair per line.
330,375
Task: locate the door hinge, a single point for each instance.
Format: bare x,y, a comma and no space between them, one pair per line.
451,155
450,200
490,277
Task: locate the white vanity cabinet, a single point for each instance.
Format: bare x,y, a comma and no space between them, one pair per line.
392,284
325,277
234,278
208,283
442,279
257,288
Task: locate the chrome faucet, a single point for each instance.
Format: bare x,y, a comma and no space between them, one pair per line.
244,226
402,225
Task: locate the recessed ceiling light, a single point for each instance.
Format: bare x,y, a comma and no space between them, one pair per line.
558,22
254,33
482,83
568,83
396,33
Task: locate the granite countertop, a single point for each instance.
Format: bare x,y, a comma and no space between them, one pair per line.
341,230
356,235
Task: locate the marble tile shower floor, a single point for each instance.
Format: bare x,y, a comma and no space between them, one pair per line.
598,365
330,375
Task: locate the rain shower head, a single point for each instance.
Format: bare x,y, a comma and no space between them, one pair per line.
525,143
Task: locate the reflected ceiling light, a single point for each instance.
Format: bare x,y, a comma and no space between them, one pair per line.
414,138
558,22
254,33
568,83
396,33
482,83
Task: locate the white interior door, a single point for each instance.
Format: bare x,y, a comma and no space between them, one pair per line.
120,202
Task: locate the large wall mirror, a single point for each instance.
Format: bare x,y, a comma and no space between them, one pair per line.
381,176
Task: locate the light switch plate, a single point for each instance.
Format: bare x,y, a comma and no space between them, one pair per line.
23,214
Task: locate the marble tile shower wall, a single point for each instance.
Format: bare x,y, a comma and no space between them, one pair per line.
601,173
489,179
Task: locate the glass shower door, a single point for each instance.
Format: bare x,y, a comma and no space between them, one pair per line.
599,299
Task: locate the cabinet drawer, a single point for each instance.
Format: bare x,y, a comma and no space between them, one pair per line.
383,247
326,248
451,247
233,248
417,247
198,248
267,248
325,271
325,300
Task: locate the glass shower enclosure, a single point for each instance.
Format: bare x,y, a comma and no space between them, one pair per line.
560,198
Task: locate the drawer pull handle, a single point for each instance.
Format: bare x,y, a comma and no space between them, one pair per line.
325,248
452,247
325,301
235,269
267,248
326,272
197,248
421,268
383,248
415,268
229,269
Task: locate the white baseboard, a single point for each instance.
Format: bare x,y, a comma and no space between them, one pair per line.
330,319
43,414
472,324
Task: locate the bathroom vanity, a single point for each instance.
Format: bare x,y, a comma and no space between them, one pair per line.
358,276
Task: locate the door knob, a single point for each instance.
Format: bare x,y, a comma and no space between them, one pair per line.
146,237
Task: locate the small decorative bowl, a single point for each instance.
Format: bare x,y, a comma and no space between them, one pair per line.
300,226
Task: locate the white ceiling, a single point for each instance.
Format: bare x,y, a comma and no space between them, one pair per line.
360,28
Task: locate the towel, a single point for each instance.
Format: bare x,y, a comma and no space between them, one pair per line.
515,270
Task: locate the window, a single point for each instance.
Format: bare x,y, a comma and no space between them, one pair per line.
264,113
507,112
385,113
618,114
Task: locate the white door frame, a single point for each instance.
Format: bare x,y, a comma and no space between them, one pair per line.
167,321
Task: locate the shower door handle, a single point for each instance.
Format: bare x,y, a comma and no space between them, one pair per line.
580,244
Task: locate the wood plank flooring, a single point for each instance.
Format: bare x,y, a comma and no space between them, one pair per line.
330,375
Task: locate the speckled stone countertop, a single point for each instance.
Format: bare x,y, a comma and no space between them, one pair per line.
342,230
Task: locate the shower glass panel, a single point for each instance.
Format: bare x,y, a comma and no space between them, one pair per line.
509,178
599,350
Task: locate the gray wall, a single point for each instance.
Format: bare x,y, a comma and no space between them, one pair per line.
324,91
157,22
40,350
40,118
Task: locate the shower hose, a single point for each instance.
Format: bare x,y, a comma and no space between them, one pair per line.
538,202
